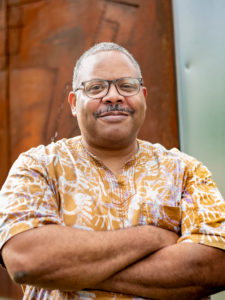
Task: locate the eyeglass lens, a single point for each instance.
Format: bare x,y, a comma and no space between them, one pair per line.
99,88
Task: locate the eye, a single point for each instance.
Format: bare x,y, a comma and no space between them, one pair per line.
95,87
128,86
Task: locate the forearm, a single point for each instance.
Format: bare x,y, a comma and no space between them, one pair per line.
182,271
65,258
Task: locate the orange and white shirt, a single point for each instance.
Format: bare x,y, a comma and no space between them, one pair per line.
64,184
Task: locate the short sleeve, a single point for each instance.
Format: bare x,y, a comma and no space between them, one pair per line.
28,198
203,208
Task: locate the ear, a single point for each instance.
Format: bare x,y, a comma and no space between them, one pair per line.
144,90
72,102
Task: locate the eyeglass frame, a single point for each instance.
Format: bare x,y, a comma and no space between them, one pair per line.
82,87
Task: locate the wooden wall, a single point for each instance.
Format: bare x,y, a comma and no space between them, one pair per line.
40,42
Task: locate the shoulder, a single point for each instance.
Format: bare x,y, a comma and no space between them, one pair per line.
172,159
60,147
45,155
55,147
161,153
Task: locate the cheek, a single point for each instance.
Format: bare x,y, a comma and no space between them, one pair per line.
85,105
85,111
89,106
138,106
92,105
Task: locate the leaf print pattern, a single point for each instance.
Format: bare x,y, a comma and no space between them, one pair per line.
64,184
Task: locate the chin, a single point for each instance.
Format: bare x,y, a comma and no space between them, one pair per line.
115,141
113,138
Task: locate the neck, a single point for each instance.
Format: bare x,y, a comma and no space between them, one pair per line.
114,159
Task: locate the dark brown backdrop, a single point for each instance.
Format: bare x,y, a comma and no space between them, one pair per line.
40,41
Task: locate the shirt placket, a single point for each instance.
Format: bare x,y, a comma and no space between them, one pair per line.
125,190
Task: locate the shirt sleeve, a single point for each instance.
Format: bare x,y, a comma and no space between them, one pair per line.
203,208
28,198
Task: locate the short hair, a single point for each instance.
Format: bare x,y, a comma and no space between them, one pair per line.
105,46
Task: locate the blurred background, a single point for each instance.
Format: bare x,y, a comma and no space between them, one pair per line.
180,46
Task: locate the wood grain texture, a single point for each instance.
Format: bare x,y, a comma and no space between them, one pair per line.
8,288
4,103
153,46
4,129
47,49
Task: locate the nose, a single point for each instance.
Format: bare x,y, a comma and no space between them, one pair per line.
113,96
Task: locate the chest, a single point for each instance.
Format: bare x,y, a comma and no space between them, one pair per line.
94,199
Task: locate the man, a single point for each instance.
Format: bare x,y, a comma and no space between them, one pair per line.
105,215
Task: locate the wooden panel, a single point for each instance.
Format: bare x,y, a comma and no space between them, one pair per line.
29,99
5,284
146,29
153,46
47,48
7,288
117,22
4,121
4,130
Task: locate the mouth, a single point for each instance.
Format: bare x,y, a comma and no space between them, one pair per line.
113,116
113,113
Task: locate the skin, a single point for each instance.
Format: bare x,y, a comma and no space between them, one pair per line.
111,138
80,258
144,260
181,271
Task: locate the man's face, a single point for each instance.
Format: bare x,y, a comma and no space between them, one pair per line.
113,129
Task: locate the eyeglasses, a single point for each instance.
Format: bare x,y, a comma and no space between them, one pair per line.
99,88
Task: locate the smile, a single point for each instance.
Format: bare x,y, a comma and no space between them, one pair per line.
117,110
113,116
113,113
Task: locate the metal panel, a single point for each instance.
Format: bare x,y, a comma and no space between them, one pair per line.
200,47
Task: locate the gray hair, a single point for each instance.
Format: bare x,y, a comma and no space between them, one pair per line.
105,46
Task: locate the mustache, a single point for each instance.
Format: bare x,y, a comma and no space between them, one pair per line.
111,107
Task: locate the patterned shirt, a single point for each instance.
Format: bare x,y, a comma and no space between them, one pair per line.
64,184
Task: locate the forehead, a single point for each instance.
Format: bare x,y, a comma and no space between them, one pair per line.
107,65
